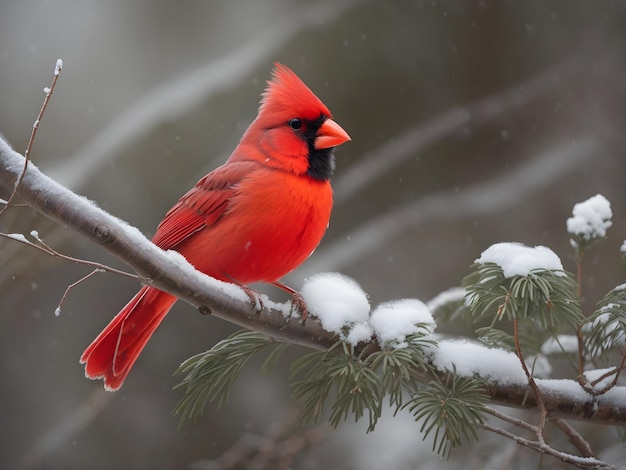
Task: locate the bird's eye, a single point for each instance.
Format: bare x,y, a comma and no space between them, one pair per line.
295,124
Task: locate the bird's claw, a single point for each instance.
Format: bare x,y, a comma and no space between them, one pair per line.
298,305
297,302
255,299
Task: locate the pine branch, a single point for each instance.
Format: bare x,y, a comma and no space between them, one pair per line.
166,272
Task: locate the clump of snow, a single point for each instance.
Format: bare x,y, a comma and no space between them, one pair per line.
58,67
560,344
623,247
516,259
17,236
343,308
394,321
360,332
338,301
471,359
284,307
591,218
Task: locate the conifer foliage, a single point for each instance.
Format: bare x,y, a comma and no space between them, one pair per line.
527,312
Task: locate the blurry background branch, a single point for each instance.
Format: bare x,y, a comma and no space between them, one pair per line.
179,96
400,149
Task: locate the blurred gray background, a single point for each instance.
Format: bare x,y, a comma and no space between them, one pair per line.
472,123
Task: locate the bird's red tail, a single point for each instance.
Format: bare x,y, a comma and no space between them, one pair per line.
112,354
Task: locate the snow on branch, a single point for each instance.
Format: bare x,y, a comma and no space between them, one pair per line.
169,271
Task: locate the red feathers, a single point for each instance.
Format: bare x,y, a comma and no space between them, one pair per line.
255,218
286,96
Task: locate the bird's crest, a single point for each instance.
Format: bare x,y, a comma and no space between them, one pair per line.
287,96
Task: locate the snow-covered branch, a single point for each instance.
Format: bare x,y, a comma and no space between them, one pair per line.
169,272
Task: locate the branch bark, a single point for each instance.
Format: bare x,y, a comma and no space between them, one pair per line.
166,272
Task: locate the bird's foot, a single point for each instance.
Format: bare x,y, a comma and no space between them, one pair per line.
297,302
255,299
298,305
254,296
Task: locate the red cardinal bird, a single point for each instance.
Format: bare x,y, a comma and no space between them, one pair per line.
255,218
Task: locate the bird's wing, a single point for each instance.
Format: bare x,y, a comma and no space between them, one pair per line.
203,205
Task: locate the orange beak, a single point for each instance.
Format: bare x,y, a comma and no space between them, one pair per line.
330,134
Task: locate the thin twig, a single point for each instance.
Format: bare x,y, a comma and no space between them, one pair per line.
579,330
589,387
42,246
5,202
574,437
48,90
509,419
531,383
580,462
57,312
616,371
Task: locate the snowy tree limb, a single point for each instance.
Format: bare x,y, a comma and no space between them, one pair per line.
154,266
164,271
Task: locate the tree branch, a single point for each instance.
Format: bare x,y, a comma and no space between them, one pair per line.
157,267
580,462
166,271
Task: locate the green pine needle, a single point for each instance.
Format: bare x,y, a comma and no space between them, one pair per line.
494,338
547,298
211,374
606,328
357,385
397,366
451,412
